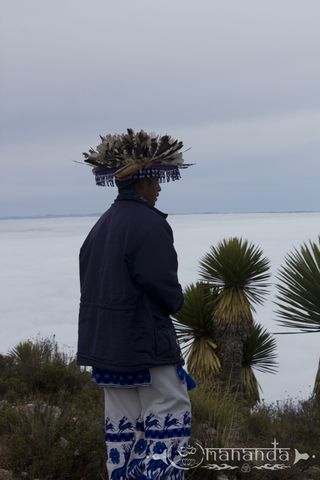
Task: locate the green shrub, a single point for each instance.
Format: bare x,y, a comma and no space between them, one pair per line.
217,417
294,423
48,442
52,420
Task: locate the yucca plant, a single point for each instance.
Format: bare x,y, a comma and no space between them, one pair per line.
259,353
298,300
238,272
195,331
299,290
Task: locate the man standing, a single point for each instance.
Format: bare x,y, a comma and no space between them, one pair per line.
129,289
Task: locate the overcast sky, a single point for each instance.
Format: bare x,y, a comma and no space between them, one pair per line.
238,81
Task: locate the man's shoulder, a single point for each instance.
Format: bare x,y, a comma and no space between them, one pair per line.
136,211
131,219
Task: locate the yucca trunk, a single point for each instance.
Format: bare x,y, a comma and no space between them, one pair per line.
234,323
231,342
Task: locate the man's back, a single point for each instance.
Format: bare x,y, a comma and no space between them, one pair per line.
129,286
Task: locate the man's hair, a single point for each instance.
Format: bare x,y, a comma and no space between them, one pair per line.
131,183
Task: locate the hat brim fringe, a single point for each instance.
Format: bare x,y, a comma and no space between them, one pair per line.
106,178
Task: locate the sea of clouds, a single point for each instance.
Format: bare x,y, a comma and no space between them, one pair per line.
40,280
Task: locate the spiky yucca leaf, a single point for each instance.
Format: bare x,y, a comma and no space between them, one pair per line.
259,350
316,388
259,353
203,361
299,290
250,385
23,351
194,327
240,272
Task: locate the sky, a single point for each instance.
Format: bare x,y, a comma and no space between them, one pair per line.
237,81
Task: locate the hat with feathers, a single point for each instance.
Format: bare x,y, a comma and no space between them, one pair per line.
135,155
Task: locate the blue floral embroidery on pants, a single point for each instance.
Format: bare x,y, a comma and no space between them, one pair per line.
140,446
159,447
114,455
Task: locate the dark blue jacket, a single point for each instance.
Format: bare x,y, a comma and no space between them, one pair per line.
129,288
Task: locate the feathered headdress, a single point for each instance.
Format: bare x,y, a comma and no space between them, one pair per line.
135,155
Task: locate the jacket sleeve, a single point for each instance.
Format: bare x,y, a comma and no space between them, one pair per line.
154,267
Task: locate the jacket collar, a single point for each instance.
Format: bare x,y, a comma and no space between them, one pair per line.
130,194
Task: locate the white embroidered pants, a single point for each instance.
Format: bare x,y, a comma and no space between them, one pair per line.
148,427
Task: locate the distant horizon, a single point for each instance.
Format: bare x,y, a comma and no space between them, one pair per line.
98,214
